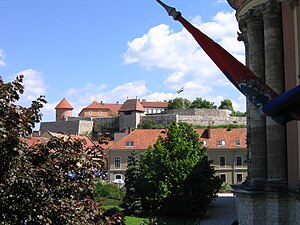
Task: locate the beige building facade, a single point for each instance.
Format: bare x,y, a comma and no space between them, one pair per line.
226,147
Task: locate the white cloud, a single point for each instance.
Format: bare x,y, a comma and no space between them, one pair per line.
2,57
221,1
83,96
34,85
184,62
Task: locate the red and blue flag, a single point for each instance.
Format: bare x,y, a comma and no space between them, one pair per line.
282,108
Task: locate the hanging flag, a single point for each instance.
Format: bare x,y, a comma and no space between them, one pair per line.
255,89
180,90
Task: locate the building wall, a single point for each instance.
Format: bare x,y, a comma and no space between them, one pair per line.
203,117
61,114
94,112
164,119
211,120
200,112
71,127
123,155
131,120
230,169
68,127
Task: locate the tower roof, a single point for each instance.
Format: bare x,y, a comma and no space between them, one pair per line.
64,104
132,105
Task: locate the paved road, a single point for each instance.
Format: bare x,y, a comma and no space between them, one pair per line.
220,212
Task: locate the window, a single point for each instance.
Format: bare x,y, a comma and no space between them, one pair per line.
223,178
118,176
220,142
204,142
127,113
239,161
100,112
117,162
222,161
238,142
90,112
129,160
239,178
129,143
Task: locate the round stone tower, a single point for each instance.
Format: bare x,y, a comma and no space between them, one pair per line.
63,110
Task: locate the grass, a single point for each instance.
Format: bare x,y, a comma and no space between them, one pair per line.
131,220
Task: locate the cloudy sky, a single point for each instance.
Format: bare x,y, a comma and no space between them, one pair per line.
111,50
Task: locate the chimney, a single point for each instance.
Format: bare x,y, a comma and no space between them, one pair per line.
129,130
208,132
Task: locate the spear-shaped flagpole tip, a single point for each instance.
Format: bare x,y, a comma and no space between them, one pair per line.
171,10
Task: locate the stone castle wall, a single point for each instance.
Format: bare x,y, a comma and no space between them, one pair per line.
202,117
212,120
85,125
200,112
68,127
129,121
164,119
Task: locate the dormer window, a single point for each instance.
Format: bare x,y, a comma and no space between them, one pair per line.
221,142
238,142
129,143
204,142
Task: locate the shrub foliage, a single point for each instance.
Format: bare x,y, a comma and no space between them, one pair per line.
50,183
174,176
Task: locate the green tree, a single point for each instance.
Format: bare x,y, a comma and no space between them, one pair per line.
179,103
238,114
132,200
50,183
226,104
203,103
149,124
167,167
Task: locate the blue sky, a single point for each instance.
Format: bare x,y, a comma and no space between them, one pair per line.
111,50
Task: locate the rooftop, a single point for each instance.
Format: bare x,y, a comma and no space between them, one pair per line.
64,104
114,108
143,138
132,105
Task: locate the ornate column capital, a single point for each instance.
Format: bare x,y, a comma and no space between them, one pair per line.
253,15
293,3
271,8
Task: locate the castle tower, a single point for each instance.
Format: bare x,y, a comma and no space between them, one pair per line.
63,110
130,114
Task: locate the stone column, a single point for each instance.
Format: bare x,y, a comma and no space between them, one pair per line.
256,123
274,76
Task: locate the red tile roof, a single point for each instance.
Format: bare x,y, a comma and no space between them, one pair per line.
64,104
143,138
34,141
154,104
132,105
112,107
230,136
87,142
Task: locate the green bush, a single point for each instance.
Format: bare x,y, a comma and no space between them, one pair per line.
106,190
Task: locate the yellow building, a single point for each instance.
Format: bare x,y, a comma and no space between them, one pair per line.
226,147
